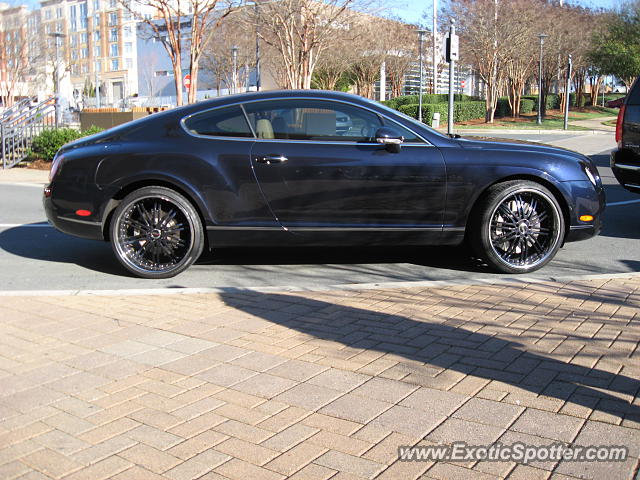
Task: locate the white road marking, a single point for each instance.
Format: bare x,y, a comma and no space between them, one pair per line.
24,184
626,202
28,225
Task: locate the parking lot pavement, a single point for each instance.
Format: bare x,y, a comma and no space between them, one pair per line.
249,385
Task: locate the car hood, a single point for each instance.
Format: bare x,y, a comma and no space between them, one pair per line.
485,143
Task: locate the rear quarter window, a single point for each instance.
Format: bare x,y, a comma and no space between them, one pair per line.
634,94
221,122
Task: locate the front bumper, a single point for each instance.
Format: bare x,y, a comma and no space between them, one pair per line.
587,200
625,165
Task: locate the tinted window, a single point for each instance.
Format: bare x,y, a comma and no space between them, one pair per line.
312,120
222,122
409,136
634,94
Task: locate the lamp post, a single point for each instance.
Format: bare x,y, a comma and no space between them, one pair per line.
255,6
57,36
421,41
234,76
541,36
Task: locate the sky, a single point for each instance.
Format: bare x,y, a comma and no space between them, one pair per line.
412,11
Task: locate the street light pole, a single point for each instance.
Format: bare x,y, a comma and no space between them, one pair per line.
421,36
541,36
57,36
234,56
567,96
97,88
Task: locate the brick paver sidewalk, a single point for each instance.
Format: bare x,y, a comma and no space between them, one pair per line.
320,385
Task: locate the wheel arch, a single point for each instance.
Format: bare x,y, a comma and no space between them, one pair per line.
549,185
127,188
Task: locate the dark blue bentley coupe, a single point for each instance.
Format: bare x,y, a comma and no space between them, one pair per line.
314,168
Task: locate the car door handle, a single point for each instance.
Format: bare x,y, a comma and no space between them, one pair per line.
269,159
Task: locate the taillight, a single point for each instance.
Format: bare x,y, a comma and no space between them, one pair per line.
55,165
619,123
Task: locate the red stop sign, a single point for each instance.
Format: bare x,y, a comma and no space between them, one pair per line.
186,81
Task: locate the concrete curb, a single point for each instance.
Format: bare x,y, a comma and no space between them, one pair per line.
533,131
343,287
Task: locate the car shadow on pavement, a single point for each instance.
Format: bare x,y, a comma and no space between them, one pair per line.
437,341
47,244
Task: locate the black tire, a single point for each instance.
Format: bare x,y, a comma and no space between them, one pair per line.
156,233
517,227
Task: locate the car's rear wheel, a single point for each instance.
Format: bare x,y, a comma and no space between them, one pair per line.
156,233
518,227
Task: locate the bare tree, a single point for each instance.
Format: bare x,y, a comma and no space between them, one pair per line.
299,31
484,43
401,54
182,25
217,56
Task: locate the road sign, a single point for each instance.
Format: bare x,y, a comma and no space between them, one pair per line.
186,81
452,48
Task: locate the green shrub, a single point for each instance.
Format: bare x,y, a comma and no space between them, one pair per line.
427,98
526,105
92,130
504,110
48,142
464,110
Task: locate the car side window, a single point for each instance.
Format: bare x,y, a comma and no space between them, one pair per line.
221,122
409,136
315,120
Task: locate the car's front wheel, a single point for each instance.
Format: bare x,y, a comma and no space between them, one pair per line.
518,227
156,233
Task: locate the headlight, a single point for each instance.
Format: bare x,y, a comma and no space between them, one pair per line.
55,165
593,178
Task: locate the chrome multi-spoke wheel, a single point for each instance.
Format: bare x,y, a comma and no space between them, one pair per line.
156,233
520,227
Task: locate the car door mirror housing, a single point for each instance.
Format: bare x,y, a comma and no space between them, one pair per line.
390,138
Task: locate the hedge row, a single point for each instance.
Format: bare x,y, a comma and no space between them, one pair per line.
464,110
48,142
427,98
504,110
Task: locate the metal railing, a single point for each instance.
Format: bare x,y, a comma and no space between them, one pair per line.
20,124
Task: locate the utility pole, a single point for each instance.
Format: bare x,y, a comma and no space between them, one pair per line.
541,36
255,6
434,31
421,36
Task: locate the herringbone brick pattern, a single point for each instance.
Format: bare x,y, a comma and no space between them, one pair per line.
317,385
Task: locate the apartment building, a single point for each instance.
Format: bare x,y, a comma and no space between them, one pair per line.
14,64
97,40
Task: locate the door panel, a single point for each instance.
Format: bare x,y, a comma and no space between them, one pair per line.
351,185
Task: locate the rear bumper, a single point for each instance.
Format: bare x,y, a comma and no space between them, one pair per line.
625,165
65,220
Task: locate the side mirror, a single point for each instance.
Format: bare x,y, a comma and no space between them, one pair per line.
390,138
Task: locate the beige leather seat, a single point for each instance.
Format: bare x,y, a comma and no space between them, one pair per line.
264,129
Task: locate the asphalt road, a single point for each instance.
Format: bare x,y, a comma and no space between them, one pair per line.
34,256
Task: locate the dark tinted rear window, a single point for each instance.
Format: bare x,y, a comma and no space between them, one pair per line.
221,122
634,94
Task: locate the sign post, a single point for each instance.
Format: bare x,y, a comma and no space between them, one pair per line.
567,95
452,49
186,82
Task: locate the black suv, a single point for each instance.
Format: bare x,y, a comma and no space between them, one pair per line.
625,161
